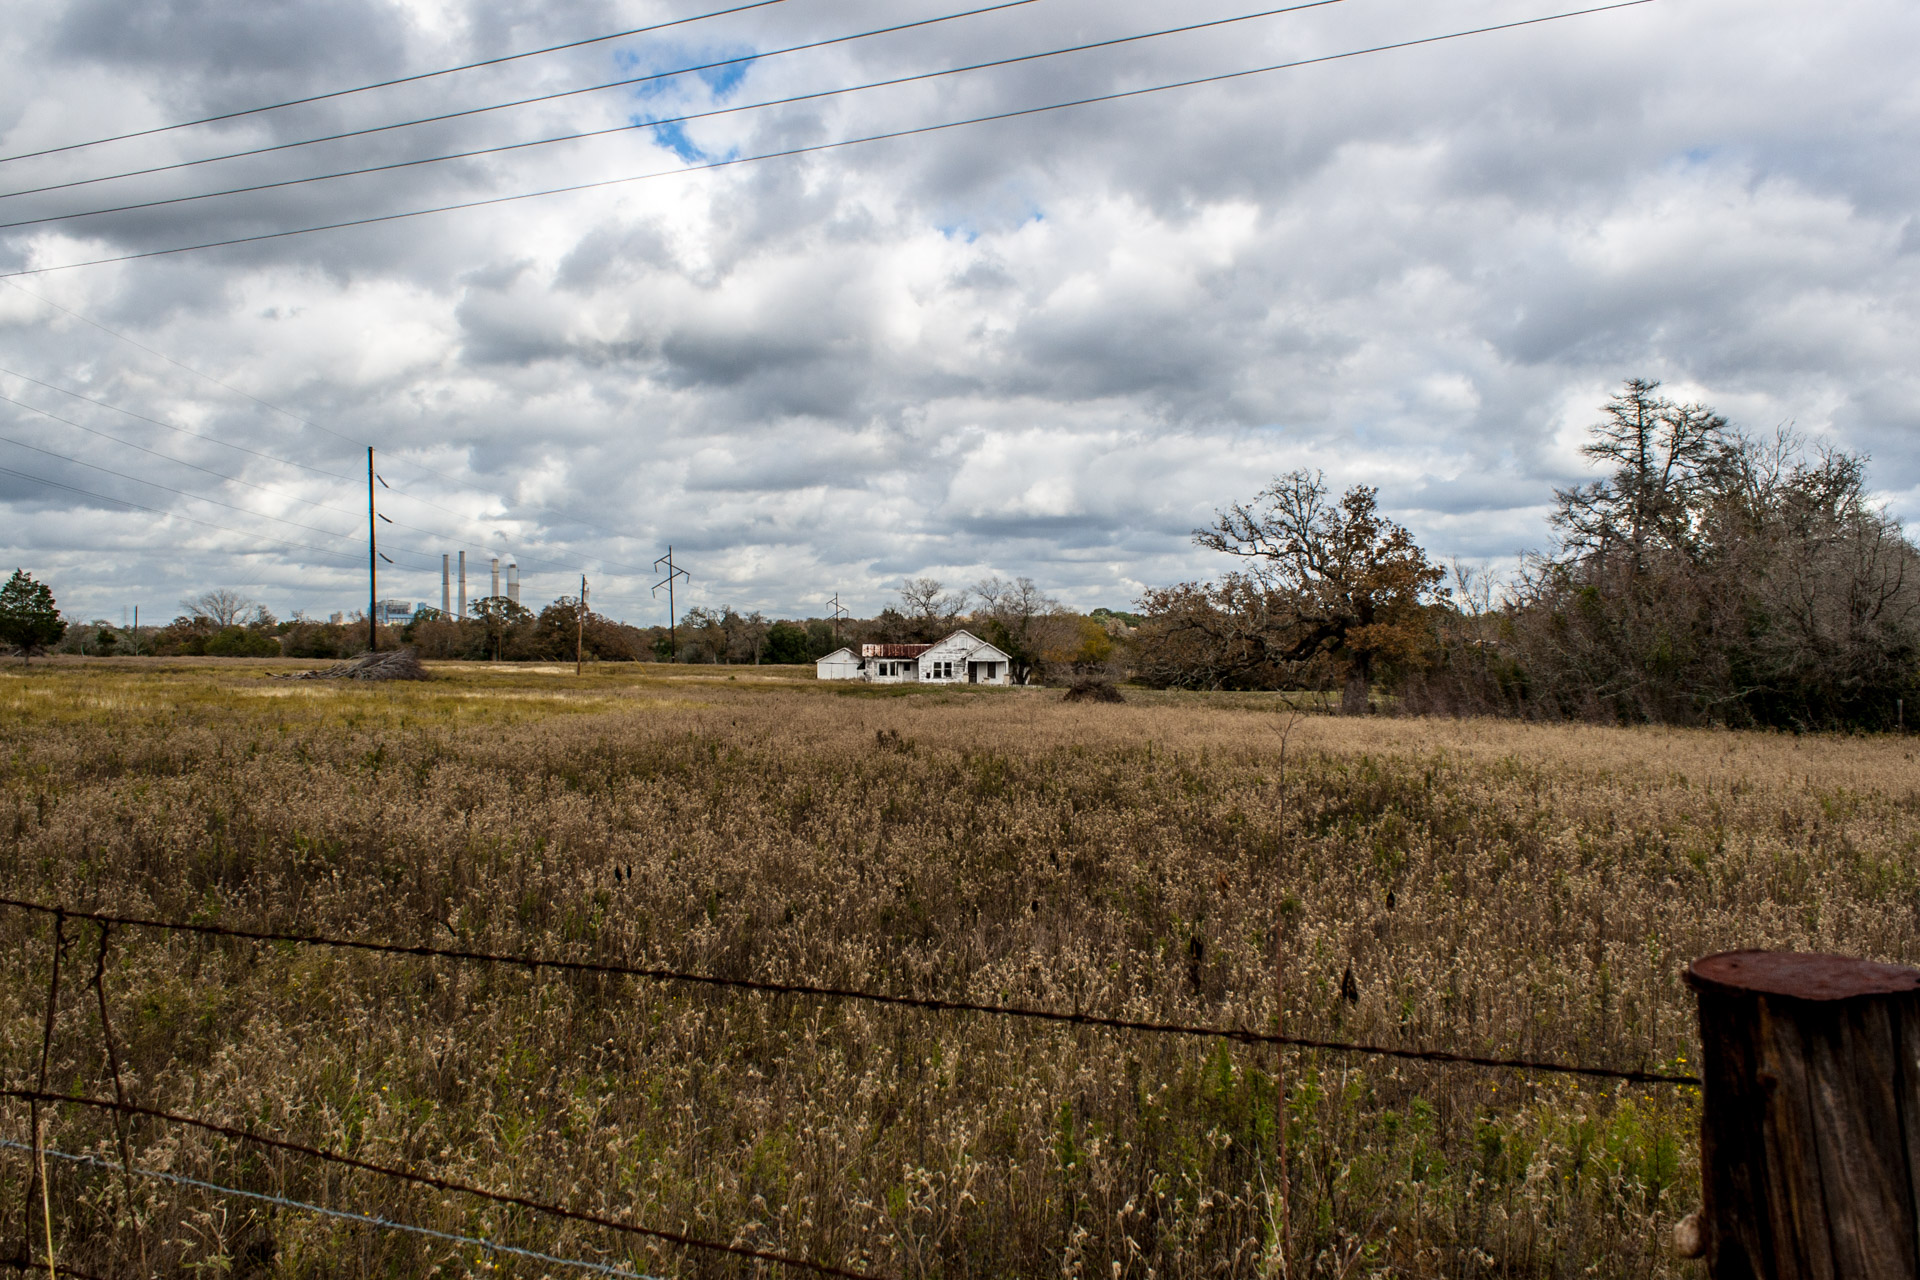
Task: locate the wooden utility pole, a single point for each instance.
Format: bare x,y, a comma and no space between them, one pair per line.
838,613
1810,1120
373,565
673,623
580,625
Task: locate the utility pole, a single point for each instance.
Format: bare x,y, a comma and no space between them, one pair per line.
580,625
673,571
838,613
373,563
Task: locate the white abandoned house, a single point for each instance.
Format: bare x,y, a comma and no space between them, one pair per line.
959,659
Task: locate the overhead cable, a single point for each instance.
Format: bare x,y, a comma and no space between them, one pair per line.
295,418
385,84
668,121
484,543
245,511
175,515
627,82
820,147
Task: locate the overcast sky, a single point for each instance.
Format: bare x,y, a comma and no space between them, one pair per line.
1046,346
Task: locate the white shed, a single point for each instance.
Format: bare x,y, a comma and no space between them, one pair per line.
842,664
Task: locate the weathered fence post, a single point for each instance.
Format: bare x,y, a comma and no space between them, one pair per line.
1810,1123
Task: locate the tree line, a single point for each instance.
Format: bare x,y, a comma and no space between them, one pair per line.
1043,638
1707,577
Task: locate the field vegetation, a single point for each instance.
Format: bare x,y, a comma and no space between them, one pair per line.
1487,886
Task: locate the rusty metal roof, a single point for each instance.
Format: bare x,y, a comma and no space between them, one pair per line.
893,650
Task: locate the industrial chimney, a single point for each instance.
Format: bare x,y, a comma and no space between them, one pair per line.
446,583
463,584
513,582
496,577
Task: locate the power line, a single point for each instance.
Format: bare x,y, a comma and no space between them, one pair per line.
171,515
246,511
892,82
385,84
1238,1035
430,1180
218,475
487,544
364,1219
316,426
627,82
816,148
197,435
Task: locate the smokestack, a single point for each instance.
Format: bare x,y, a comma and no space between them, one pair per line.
496,576
513,582
463,584
446,583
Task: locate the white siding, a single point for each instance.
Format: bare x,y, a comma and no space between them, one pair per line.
841,664
963,658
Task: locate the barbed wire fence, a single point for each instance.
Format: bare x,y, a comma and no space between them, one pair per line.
122,1109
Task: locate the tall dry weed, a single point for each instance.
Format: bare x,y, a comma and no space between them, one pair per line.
1495,888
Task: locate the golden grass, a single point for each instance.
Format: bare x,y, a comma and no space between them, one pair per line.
1494,887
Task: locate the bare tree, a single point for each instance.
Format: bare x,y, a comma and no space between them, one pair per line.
222,606
1019,619
927,602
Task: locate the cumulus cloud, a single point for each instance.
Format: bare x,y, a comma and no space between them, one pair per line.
1047,346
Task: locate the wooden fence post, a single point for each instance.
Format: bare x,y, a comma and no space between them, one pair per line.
1810,1123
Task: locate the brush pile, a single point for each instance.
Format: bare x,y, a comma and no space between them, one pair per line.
399,664
1092,691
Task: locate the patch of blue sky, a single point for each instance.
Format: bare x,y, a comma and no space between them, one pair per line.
674,138
721,81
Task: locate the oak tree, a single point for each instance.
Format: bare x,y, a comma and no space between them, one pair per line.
1338,579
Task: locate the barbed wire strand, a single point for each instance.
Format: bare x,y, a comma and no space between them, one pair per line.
25,1261
37,1171
119,1093
351,1215
433,1181
932,1004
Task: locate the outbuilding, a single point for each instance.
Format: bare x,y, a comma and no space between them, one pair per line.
842,664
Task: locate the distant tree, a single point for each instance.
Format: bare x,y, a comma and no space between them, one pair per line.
1664,458
223,606
1021,621
1080,647
29,619
788,644
500,617
1341,580
1713,578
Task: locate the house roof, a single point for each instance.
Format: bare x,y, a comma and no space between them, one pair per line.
893,650
836,653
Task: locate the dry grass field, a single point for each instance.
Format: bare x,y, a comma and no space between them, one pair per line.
1492,887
